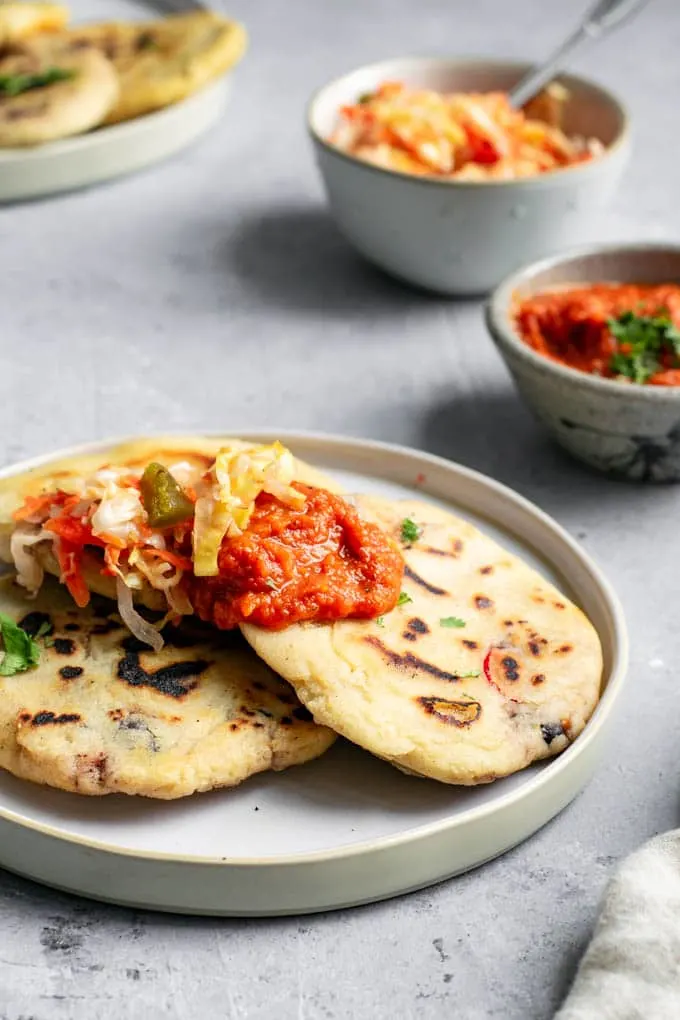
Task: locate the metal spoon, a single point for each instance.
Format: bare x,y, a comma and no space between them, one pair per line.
600,19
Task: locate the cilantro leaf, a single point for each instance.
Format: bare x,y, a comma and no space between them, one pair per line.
410,532
21,651
470,673
365,97
451,621
15,84
644,343
380,620
404,599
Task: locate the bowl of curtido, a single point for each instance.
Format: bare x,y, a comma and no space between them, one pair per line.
592,340
434,177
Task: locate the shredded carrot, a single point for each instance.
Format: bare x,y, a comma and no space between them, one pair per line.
69,557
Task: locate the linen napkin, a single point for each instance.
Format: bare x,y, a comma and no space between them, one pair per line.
631,969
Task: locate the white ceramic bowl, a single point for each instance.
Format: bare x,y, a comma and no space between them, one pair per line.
464,237
624,429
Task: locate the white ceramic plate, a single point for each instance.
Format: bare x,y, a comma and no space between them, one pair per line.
346,828
110,151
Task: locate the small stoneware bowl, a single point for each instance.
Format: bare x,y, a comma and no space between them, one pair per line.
626,429
463,237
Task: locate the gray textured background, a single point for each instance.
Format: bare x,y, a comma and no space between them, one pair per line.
214,292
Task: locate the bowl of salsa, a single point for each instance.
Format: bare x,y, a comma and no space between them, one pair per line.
592,340
431,174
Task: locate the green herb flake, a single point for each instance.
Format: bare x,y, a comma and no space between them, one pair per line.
43,630
404,599
14,84
470,674
642,343
410,532
451,621
365,97
380,620
21,651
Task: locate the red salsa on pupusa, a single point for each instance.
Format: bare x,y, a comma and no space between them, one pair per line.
240,542
626,332
320,561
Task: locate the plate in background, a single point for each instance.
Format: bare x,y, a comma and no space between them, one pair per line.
109,152
346,828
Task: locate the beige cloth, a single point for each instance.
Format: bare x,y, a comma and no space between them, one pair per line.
631,969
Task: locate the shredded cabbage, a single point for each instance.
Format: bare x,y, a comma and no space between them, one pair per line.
30,574
136,624
118,514
226,499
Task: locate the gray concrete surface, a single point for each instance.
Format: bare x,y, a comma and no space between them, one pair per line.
214,292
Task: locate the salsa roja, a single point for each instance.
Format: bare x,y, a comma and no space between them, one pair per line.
319,562
629,332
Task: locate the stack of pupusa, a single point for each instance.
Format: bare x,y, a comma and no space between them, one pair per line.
482,668
57,81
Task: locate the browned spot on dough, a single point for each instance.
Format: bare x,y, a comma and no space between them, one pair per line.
410,661
64,646
455,713
244,710
432,551
534,648
458,546
483,602
559,605
49,718
116,714
258,725
538,678
565,649
470,644
486,570
25,717
234,726
510,668
417,579
507,623
71,672
414,628
538,598
286,720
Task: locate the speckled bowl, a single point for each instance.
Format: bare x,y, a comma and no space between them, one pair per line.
622,428
463,237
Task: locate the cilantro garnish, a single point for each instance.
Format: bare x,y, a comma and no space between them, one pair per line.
451,621
642,340
365,97
470,673
410,532
21,651
404,599
380,620
15,84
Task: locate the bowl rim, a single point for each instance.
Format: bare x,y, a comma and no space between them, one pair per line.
499,324
432,180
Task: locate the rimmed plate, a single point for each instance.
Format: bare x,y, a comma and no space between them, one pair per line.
116,150
345,829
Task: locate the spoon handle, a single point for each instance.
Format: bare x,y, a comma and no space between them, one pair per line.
600,19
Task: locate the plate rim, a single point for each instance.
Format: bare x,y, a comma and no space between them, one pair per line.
514,798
